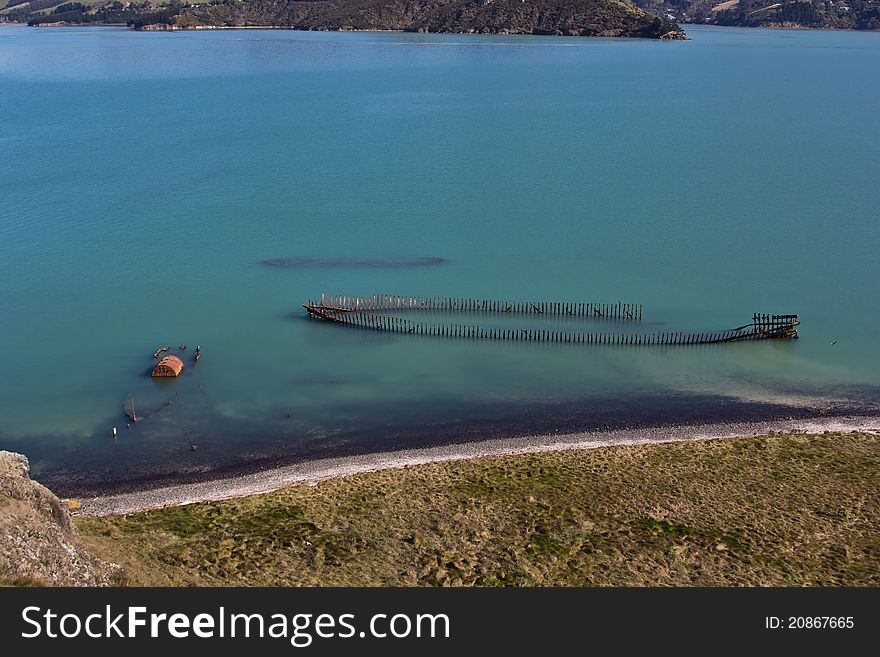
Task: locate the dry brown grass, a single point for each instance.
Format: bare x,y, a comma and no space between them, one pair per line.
777,510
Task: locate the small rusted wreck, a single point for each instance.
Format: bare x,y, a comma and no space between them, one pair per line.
168,366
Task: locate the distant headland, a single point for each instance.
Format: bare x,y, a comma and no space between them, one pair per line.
602,18
821,14
658,19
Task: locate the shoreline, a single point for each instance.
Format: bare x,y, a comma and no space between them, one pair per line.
684,25
173,27
248,448
315,471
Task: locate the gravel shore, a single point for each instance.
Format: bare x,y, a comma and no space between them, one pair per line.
312,472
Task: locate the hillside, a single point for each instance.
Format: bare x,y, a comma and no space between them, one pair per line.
781,510
828,14
550,17
585,17
559,17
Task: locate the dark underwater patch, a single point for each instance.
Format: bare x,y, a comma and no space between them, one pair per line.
352,263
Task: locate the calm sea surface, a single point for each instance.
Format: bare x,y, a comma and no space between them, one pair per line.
145,177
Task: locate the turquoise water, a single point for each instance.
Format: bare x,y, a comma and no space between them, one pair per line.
147,176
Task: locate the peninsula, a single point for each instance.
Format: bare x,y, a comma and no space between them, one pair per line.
636,18
605,18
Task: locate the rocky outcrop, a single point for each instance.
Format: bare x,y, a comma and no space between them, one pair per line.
38,543
157,27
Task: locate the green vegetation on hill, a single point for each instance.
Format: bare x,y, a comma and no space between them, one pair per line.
778,510
558,17
563,17
42,12
586,17
841,14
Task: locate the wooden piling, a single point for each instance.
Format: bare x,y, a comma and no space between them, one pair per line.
365,312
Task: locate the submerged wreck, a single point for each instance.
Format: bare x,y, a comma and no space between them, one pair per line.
372,313
168,366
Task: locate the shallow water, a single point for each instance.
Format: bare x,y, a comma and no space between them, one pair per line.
148,178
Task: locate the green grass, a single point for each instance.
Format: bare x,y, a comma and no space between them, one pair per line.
4,4
777,510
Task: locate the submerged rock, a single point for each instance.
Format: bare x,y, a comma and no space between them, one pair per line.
39,544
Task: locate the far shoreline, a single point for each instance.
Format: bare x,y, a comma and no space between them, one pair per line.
162,27
315,471
208,28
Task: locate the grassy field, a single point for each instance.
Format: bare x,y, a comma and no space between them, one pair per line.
776,510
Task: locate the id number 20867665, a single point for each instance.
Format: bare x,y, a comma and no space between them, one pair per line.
809,622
